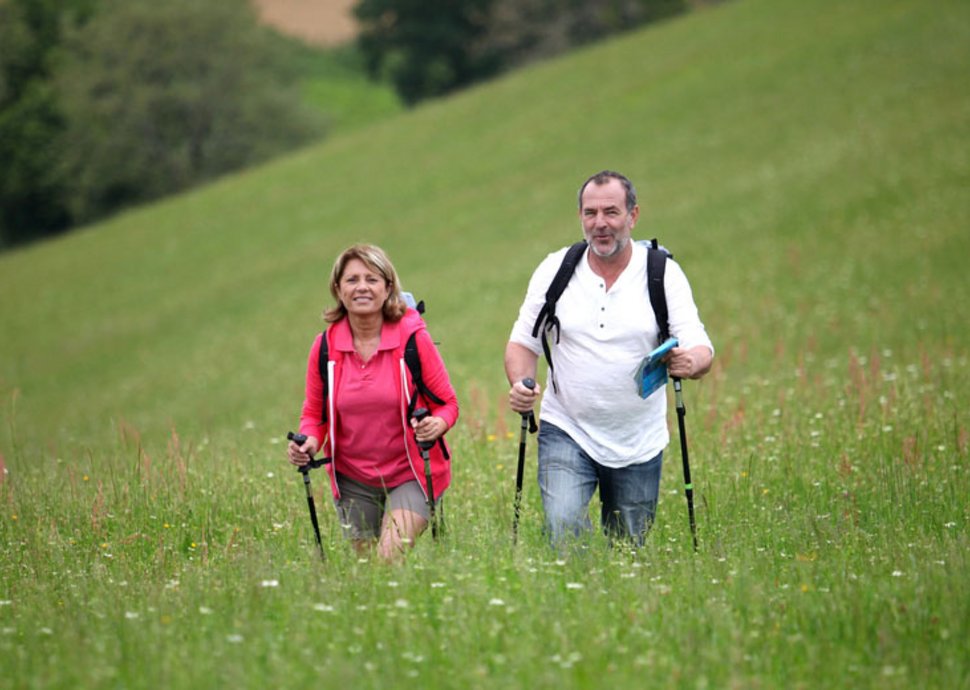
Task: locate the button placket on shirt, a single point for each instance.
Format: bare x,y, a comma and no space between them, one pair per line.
601,316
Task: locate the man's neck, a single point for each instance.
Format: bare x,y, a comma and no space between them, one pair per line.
609,268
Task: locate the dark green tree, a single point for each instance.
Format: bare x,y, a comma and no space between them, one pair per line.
522,31
158,97
425,47
31,123
429,47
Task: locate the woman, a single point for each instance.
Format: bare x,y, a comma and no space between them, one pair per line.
362,412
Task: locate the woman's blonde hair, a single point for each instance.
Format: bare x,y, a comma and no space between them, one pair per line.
376,260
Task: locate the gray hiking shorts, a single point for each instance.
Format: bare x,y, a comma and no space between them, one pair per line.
361,508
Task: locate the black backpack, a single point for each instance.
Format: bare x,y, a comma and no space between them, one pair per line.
547,320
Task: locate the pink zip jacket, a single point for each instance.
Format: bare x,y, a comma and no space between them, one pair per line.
435,378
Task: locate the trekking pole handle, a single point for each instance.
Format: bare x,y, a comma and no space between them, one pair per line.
529,383
300,439
419,414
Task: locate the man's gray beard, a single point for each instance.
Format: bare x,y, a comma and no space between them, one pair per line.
618,247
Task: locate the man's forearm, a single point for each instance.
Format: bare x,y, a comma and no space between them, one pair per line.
520,363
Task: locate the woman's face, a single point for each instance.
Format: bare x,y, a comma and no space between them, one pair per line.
362,290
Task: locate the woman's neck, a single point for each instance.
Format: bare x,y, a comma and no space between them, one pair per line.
367,327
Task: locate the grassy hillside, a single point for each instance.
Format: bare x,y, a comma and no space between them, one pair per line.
807,162
333,80
794,158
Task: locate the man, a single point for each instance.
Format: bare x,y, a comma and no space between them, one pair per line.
595,429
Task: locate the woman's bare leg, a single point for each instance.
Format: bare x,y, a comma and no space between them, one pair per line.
399,531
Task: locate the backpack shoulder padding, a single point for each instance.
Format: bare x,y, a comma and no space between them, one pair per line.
547,320
656,268
558,285
413,361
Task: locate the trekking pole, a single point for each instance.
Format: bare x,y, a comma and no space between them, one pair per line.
528,423
425,446
300,439
688,486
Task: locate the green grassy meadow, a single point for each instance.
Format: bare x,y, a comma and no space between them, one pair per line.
333,81
807,163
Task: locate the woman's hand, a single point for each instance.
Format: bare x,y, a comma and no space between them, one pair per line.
300,455
429,429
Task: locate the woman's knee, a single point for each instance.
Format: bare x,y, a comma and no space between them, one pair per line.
401,530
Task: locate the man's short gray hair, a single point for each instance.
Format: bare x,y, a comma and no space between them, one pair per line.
605,176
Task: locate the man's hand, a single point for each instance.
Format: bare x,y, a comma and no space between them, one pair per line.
522,399
690,363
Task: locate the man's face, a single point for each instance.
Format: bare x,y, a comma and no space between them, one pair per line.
606,222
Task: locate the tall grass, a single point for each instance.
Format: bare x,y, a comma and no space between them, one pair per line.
807,164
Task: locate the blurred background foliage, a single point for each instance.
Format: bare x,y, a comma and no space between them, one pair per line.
105,104
428,48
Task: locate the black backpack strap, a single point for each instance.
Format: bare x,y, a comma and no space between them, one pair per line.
412,360
656,267
322,359
547,319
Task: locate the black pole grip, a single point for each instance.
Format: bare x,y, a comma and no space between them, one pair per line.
300,439
419,414
529,416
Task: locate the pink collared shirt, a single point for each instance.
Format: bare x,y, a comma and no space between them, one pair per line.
369,436
367,433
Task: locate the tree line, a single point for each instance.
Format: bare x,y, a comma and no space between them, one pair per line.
109,103
428,48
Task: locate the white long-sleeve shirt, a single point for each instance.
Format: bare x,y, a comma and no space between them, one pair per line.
603,337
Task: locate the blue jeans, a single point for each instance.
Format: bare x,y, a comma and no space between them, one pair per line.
568,477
